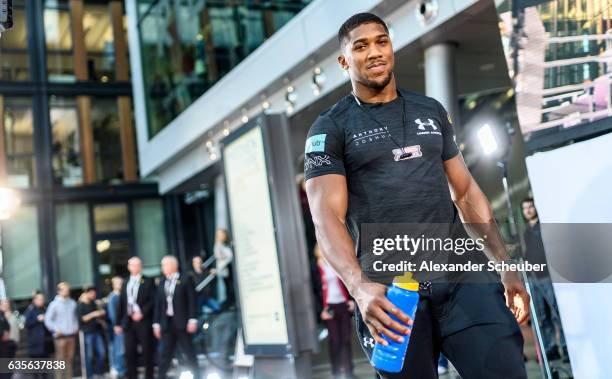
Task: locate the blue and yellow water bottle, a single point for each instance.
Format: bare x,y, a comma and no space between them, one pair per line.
404,294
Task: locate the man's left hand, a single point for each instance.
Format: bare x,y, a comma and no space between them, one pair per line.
517,298
136,316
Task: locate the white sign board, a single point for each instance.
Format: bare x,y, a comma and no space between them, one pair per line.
572,185
256,259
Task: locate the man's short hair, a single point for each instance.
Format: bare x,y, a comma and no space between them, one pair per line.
527,200
356,20
171,258
134,258
89,288
62,285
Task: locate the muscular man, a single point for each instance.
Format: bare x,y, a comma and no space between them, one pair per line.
385,155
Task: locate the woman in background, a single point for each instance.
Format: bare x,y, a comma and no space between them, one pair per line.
337,310
11,339
223,257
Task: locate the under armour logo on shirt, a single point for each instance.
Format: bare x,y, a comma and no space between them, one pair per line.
368,342
421,124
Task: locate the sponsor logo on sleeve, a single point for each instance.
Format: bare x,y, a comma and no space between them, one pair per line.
316,161
315,143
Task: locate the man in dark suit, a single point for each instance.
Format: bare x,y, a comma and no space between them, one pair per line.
135,315
175,317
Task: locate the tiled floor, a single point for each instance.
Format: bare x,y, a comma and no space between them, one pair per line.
363,369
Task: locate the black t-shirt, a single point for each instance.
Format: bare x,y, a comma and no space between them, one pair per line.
383,188
92,326
534,249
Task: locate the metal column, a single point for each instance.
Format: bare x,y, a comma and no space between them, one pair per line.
440,76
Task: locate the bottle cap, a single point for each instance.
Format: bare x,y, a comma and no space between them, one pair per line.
406,282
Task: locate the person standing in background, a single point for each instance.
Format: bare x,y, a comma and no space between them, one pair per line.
223,257
91,319
5,333
175,315
11,338
543,294
116,348
198,275
37,335
203,297
135,315
337,310
61,320
13,331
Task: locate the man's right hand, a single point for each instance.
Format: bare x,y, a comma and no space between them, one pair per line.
157,333
118,330
375,309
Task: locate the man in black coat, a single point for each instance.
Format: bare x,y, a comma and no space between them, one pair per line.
175,316
135,315
39,339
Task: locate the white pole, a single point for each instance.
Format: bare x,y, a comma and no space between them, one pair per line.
440,76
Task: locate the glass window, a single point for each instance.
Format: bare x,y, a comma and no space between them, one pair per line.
99,44
107,140
112,260
67,166
188,47
19,142
20,254
14,59
563,72
111,218
74,244
58,37
150,234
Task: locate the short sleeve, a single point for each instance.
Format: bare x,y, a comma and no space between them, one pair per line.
449,148
324,150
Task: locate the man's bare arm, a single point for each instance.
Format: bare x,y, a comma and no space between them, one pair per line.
476,212
474,207
328,200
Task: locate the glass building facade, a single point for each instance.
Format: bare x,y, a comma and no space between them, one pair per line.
559,54
187,46
68,146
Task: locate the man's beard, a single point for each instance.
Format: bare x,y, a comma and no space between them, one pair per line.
378,85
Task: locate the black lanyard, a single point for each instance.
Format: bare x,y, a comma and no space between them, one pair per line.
371,117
